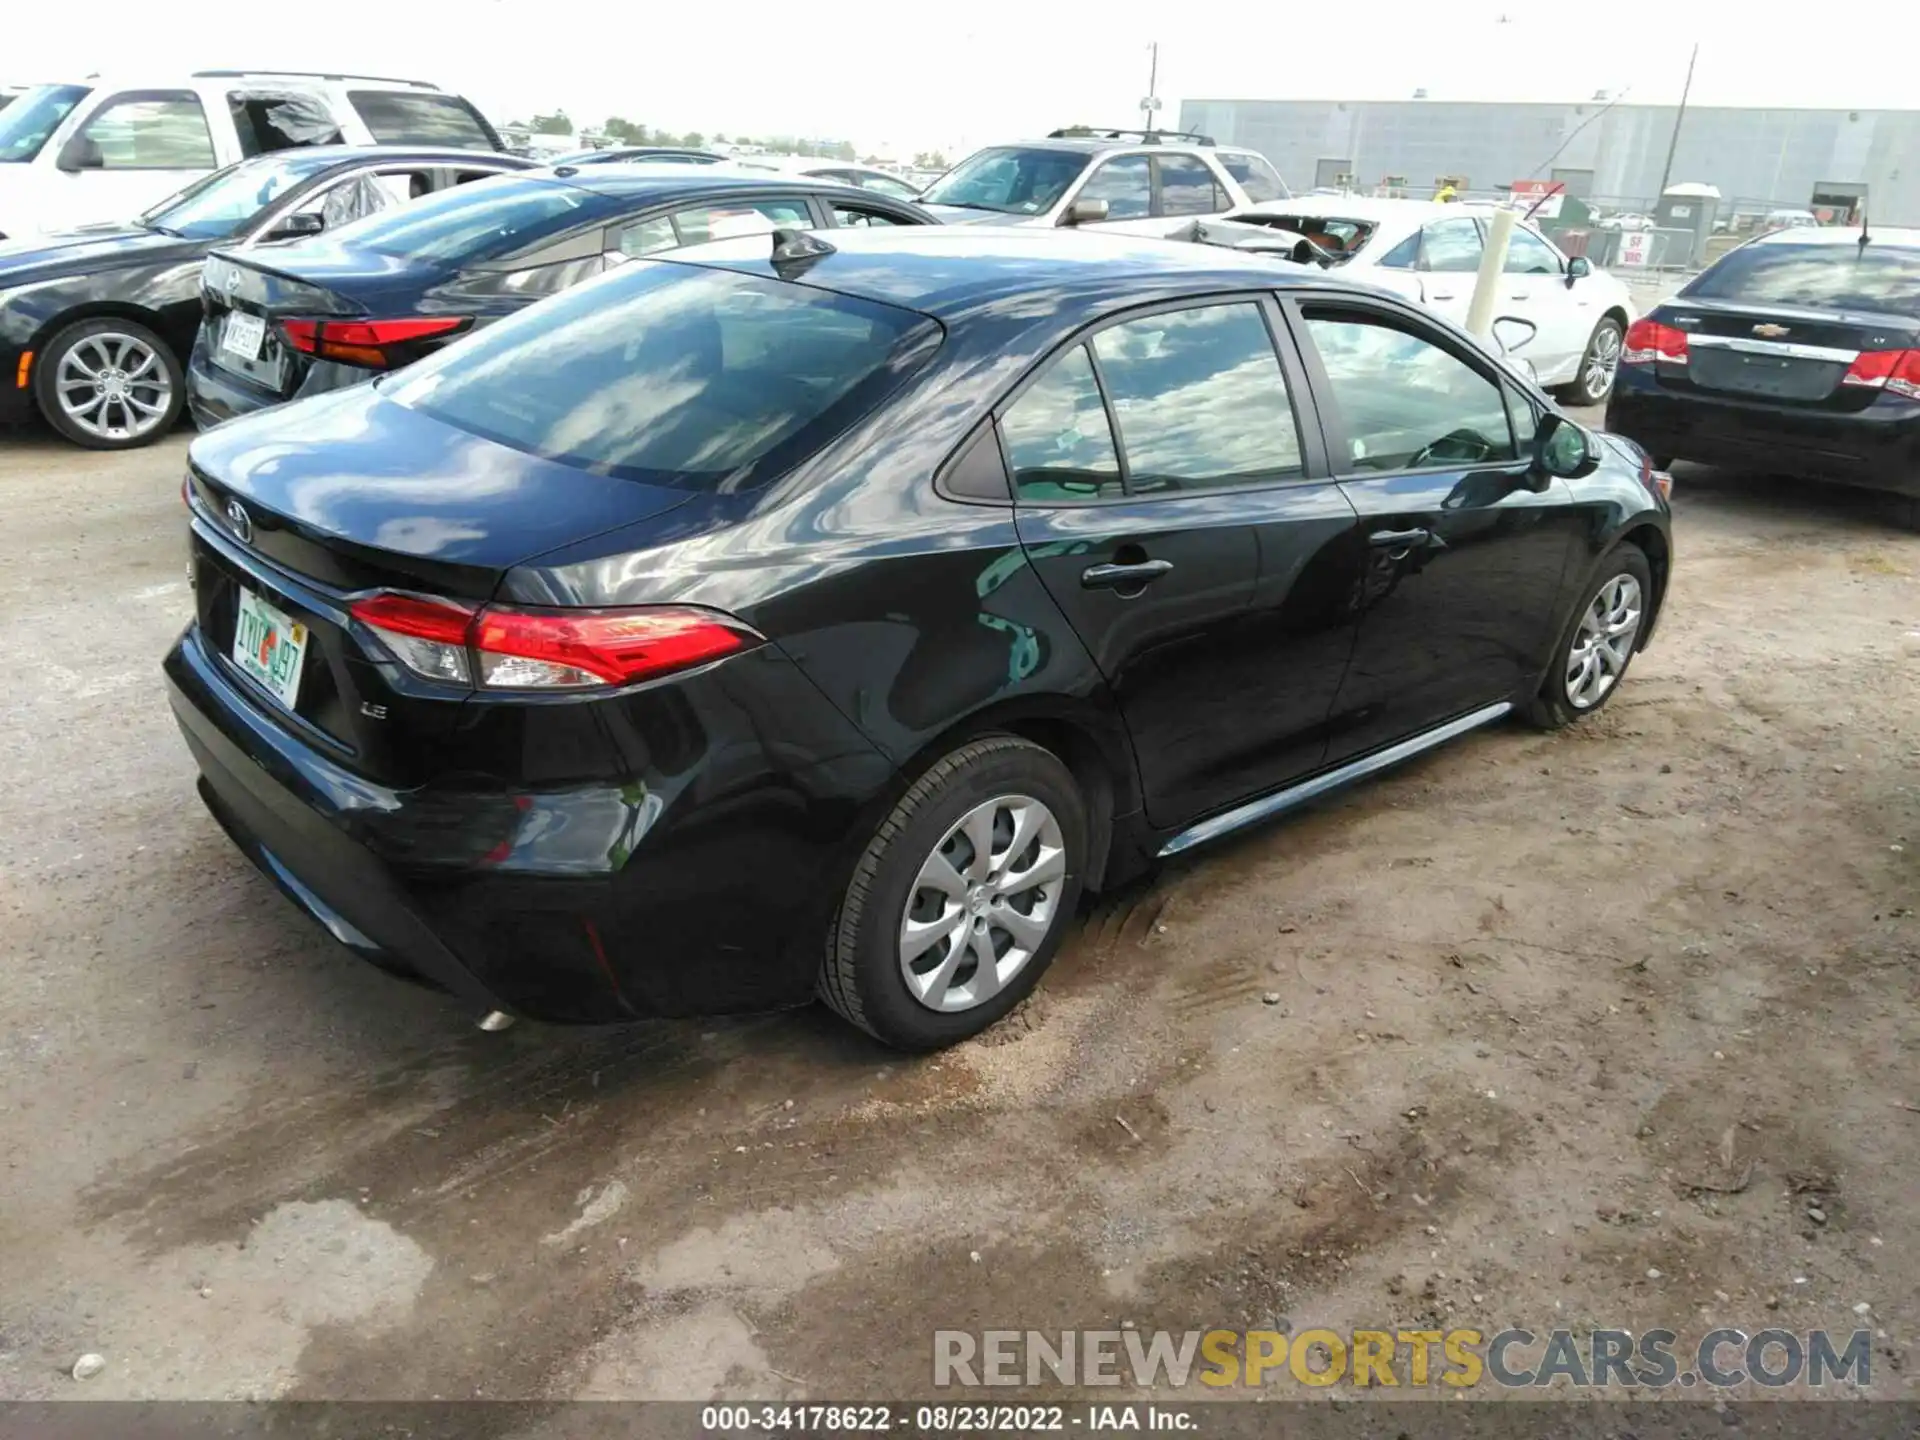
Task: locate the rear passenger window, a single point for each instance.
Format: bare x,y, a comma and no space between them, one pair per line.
860,215
723,221
1200,400
406,117
1059,444
644,237
1187,187
1259,179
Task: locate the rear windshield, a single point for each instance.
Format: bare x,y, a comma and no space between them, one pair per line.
1820,277
32,117
673,374
1014,180
408,117
1259,179
469,223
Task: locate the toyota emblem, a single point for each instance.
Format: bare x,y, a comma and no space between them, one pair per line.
241,521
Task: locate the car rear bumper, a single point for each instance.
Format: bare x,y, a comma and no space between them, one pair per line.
597,904
216,394
1876,448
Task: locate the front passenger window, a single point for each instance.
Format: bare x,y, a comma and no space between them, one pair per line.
1403,402
1125,185
168,133
1059,445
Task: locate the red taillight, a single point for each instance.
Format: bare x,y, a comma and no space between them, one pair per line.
366,342
545,649
1649,341
1895,370
499,648
302,335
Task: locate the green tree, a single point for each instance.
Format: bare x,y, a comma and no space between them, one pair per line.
930,160
844,150
625,131
554,124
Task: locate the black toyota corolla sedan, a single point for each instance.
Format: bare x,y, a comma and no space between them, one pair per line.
1797,353
96,323
380,294
824,613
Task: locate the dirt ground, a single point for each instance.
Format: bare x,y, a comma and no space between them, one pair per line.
1569,1029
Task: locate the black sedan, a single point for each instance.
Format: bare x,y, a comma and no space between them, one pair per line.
379,295
825,612
95,323
1797,353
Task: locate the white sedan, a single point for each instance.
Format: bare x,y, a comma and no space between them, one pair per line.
1430,252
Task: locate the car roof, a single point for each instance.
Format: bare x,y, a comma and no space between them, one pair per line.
944,270
635,180
1365,207
1838,235
397,154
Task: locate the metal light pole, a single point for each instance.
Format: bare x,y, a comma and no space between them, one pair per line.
1666,173
1152,103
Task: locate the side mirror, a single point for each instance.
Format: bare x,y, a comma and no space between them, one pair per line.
1510,333
79,154
1561,447
1085,212
294,227
1578,268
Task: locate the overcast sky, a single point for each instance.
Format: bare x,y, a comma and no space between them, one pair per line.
898,77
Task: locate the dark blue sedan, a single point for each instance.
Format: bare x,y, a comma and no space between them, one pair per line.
385,291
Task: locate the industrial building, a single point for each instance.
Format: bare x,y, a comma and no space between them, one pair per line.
1613,154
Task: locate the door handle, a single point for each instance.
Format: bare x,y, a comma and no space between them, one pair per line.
1121,577
1400,539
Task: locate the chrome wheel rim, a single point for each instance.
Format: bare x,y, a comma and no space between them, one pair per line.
1603,360
113,386
1604,643
983,904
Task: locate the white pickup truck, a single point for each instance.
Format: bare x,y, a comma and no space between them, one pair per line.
103,150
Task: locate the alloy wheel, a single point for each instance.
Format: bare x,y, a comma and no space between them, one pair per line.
113,386
1603,361
983,903
1604,642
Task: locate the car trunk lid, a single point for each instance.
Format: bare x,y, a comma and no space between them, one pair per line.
370,496
263,308
1779,353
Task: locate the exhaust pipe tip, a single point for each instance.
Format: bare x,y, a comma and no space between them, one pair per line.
495,1021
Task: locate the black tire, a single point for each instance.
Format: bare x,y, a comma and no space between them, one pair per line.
1554,707
1577,392
151,427
861,976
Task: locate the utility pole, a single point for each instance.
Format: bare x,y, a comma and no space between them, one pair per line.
1152,103
1666,174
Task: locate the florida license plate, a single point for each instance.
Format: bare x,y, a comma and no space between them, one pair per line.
269,646
243,335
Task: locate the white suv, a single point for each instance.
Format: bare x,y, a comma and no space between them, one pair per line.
74,154
1146,182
